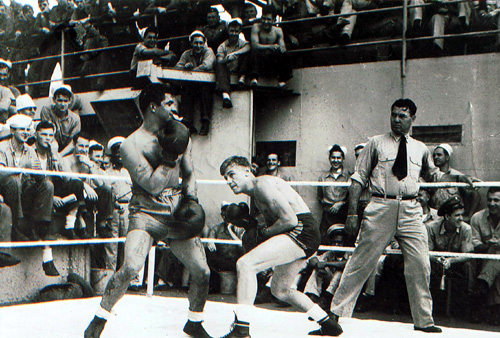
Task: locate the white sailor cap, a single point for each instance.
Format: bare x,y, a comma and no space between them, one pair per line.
24,101
115,140
338,147
63,87
6,62
19,121
197,33
93,143
236,20
446,147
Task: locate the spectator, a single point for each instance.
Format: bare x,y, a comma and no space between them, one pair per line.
148,50
216,30
273,168
235,8
449,17
470,198
23,48
249,14
98,196
6,27
25,105
487,16
333,200
297,35
68,192
5,81
452,234
231,58
29,197
223,257
486,239
96,152
106,161
430,214
327,269
198,58
68,124
6,259
122,190
269,55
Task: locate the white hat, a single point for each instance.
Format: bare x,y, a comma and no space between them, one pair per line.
24,101
61,86
19,121
236,20
338,147
115,140
197,33
6,62
94,143
446,147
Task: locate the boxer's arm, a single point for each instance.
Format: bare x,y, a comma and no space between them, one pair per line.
189,187
277,203
154,181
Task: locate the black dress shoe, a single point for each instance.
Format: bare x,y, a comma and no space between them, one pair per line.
8,260
227,104
50,269
428,329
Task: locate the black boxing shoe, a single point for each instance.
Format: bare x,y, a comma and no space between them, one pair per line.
50,269
95,327
239,329
195,329
8,260
329,327
428,329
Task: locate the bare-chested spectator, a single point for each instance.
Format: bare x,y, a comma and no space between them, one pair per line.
68,124
232,57
198,58
216,30
269,55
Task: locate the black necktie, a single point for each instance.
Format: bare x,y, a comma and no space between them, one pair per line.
400,167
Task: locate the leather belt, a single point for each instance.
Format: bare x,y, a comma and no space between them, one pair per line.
392,197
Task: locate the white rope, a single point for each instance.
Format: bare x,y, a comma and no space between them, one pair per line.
223,182
69,242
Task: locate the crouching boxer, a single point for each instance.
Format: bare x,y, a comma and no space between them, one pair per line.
156,155
290,237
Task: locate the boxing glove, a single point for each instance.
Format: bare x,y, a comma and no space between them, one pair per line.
239,215
173,139
191,214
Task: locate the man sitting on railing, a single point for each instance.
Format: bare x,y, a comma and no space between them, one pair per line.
452,234
269,55
486,239
198,58
68,124
29,197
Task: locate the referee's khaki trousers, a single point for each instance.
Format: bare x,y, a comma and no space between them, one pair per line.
383,219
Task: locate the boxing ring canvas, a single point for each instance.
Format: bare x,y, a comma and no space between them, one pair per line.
138,316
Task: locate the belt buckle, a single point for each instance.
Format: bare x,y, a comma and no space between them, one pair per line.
399,197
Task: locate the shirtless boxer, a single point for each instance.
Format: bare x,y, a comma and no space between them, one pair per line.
160,208
290,237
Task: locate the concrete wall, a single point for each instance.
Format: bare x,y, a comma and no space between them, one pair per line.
22,282
349,103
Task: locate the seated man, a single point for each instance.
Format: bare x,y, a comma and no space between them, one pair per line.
449,18
327,269
486,239
216,30
452,234
487,16
223,257
25,105
231,58
148,50
333,200
198,58
441,156
97,195
68,192
28,196
269,55
430,214
68,124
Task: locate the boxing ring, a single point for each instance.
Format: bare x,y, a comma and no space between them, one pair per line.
154,317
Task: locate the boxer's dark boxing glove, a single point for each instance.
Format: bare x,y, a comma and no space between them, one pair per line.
191,214
239,215
173,139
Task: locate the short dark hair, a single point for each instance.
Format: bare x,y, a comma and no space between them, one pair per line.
213,10
405,103
234,23
81,134
151,29
268,9
237,160
153,92
45,125
95,147
492,190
